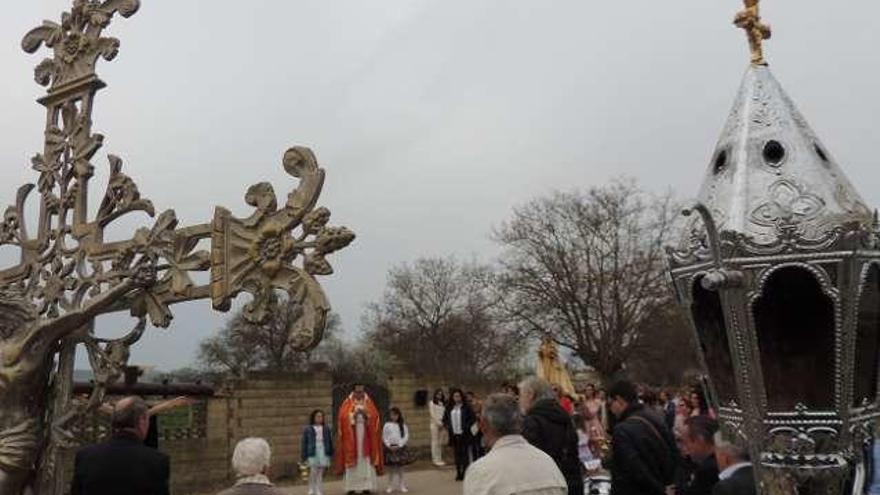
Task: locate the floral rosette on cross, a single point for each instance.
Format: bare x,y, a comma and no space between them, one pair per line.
258,254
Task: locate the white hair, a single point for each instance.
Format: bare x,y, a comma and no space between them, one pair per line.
251,456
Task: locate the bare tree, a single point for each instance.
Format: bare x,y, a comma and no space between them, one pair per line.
587,267
665,336
358,361
243,346
436,316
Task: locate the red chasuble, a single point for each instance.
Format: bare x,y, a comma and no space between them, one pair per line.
346,435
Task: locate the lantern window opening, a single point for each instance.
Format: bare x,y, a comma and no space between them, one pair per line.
795,323
867,339
712,337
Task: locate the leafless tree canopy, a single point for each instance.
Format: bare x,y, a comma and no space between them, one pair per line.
358,361
588,267
667,354
437,316
243,346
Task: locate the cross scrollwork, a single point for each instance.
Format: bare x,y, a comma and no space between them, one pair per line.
67,274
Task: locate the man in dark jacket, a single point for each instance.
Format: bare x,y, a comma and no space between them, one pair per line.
645,456
548,427
698,444
123,464
737,476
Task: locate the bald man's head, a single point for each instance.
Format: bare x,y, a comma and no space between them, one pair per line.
130,414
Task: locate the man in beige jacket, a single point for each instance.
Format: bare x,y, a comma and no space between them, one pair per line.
513,466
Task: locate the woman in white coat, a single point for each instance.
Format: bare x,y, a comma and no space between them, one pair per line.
437,409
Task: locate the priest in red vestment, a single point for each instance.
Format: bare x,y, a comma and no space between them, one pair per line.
359,442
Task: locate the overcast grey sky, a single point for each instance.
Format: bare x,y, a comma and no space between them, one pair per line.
433,118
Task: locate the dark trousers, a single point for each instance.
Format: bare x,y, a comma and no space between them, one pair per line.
477,449
460,447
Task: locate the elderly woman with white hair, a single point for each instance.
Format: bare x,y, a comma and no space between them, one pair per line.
250,461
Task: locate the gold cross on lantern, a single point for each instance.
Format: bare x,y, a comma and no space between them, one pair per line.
750,21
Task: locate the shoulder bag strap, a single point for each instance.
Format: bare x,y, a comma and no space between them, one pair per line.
651,427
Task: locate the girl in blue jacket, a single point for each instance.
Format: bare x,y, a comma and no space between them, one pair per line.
317,450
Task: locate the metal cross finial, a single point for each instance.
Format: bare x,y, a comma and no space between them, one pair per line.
750,21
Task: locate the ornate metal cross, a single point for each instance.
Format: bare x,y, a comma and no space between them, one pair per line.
750,21
67,274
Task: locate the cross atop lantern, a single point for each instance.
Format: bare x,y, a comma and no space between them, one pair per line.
68,274
780,272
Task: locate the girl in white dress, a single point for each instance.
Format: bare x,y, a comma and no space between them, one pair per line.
395,435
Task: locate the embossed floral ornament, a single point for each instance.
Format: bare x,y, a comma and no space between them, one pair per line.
181,260
789,204
271,249
257,254
328,240
72,143
55,283
142,260
315,220
72,46
77,41
9,226
122,195
173,257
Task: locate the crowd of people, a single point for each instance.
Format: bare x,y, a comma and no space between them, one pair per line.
650,457
529,439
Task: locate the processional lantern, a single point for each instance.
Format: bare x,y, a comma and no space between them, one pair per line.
780,272
67,274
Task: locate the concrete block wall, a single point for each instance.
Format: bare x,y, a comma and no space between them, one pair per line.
199,464
403,387
277,408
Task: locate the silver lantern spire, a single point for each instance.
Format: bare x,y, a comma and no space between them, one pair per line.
780,273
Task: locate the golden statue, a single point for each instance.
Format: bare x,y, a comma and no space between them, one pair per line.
750,20
551,369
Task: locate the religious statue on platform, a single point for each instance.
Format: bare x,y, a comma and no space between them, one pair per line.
67,274
359,455
551,368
